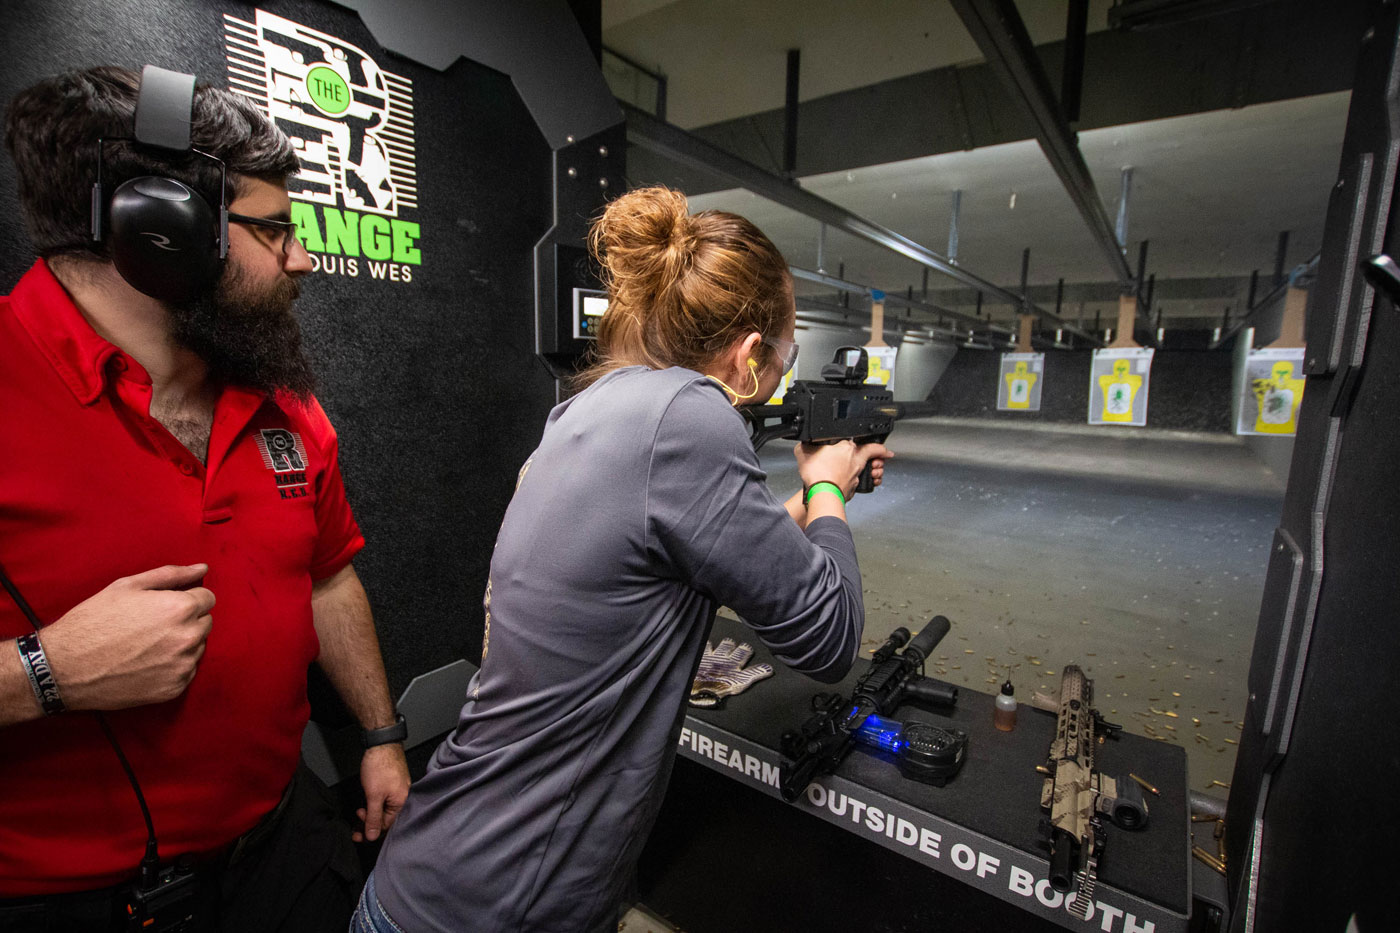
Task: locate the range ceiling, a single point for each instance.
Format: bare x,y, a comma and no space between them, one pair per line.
728,58
1210,191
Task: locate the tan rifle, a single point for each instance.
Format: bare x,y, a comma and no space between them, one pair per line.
1077,795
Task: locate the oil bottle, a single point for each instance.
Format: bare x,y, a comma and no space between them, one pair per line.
1004,717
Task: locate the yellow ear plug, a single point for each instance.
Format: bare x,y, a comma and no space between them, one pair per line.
753,370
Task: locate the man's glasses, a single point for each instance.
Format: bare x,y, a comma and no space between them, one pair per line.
787,350
288,228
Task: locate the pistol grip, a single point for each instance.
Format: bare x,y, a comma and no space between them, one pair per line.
866,483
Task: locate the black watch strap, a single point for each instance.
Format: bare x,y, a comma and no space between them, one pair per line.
395,733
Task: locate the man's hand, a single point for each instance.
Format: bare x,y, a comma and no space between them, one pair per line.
384,776
350,658
137,641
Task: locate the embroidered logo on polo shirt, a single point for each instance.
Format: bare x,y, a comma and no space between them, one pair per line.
285,455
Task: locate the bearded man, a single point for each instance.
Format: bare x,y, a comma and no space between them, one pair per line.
176,544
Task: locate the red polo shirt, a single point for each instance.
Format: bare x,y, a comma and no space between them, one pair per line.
91,489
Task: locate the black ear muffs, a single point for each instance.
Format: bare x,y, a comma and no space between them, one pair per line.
166,241
164,238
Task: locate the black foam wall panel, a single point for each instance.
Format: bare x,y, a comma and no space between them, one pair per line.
432,383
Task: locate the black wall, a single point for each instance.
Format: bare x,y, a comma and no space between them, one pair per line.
432,384
1189,390
1311,825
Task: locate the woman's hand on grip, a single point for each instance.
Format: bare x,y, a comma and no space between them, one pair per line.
840,463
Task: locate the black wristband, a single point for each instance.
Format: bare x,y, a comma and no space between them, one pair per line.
36,665
395,733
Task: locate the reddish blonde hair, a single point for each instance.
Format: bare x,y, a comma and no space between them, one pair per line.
682,288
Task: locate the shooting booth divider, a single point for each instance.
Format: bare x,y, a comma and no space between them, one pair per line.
1323,665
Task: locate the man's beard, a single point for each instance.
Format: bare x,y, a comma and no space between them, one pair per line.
247,336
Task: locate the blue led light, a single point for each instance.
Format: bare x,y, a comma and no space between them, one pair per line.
881,733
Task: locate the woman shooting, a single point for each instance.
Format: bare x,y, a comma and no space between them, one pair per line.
642,510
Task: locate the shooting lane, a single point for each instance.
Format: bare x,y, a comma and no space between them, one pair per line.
1147,554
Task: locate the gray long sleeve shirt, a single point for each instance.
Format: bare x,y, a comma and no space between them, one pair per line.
643,508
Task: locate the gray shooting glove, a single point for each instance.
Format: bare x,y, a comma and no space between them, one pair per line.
722,673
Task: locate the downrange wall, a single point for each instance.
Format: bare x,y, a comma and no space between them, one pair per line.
1189,390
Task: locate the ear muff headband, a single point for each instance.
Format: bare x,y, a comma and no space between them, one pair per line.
165,239
164,109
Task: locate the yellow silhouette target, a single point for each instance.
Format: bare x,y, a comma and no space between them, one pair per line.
881,361
1119,387
1269,391
1018,387
783,385
1118,384
1279,395
1021,382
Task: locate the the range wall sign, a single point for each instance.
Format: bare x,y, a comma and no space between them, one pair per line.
352,124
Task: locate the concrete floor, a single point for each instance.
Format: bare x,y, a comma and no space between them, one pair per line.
1138,554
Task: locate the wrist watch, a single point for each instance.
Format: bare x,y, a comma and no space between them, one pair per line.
395,733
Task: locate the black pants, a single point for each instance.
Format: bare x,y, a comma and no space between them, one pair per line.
301,876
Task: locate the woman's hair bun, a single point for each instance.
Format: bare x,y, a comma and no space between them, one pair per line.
681,286
645,239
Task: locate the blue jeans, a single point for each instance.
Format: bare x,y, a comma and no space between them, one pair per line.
369,915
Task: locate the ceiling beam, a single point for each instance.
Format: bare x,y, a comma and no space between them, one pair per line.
997,29
814,311
984,329
647,132
897,300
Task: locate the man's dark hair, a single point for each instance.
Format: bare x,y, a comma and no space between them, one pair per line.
52,128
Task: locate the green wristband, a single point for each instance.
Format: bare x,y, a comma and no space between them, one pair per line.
824,485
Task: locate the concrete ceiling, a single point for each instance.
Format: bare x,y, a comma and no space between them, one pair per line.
1210,192
728,58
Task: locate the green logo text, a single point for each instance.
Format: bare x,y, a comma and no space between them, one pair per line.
346,233
328,90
